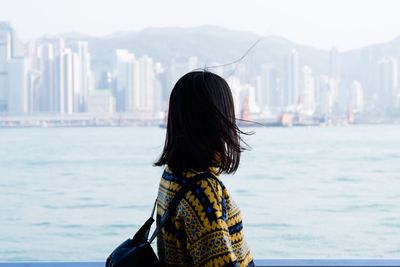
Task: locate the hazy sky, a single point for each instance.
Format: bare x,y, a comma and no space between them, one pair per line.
346,24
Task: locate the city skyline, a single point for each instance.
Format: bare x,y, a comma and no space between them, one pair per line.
56,75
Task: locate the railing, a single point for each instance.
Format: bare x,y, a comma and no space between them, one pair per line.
260,263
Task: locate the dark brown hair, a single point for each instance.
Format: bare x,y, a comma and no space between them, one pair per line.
201,127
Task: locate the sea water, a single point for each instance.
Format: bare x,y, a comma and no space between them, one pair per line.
76,193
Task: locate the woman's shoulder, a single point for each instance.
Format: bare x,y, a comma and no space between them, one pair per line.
209,178
210,185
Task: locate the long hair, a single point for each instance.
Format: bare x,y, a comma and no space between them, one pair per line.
201,126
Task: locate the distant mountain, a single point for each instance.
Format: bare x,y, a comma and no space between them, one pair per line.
209,43
216,44
74,35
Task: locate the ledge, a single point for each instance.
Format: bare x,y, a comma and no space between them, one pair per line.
259,263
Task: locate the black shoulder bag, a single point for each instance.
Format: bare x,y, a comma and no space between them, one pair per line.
137,251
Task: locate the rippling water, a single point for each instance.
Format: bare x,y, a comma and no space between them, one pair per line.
76,193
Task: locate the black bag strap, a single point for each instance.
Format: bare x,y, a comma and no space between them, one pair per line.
188,184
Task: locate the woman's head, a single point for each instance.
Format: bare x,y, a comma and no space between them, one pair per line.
201,127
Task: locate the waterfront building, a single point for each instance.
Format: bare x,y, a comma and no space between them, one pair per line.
18,89
263,93
268,93
81,49
356,97
76,81
32,55
146,95
47,93
307,88
341,96
33,84
291,89
235,86
50,65
388,84
160,105
70,88
248,99
137,87
13,72
7,50
326,95
127,80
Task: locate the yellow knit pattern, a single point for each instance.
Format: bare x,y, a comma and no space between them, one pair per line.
206,228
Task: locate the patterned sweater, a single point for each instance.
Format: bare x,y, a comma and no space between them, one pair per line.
206,228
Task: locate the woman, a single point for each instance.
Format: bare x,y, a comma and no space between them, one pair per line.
202,137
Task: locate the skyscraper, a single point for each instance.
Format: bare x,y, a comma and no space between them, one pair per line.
356,97
47,92
325,95
263,92
248,99
48,61
388,84
127,81
307,94
13,72
147,83
291,92
268,93
81,49
70,82
234,84
136,83
33,84
7,48
18,90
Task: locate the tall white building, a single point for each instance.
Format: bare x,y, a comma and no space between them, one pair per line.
81,49
76,77
268,90
7,47
147,88
33,84
263,90
13,72
235,86
137,87
291,92
244,97
326,95
356,97
65,76
48,61
307,95
387,95
127,81
69,83
47,94
17,84
248,99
